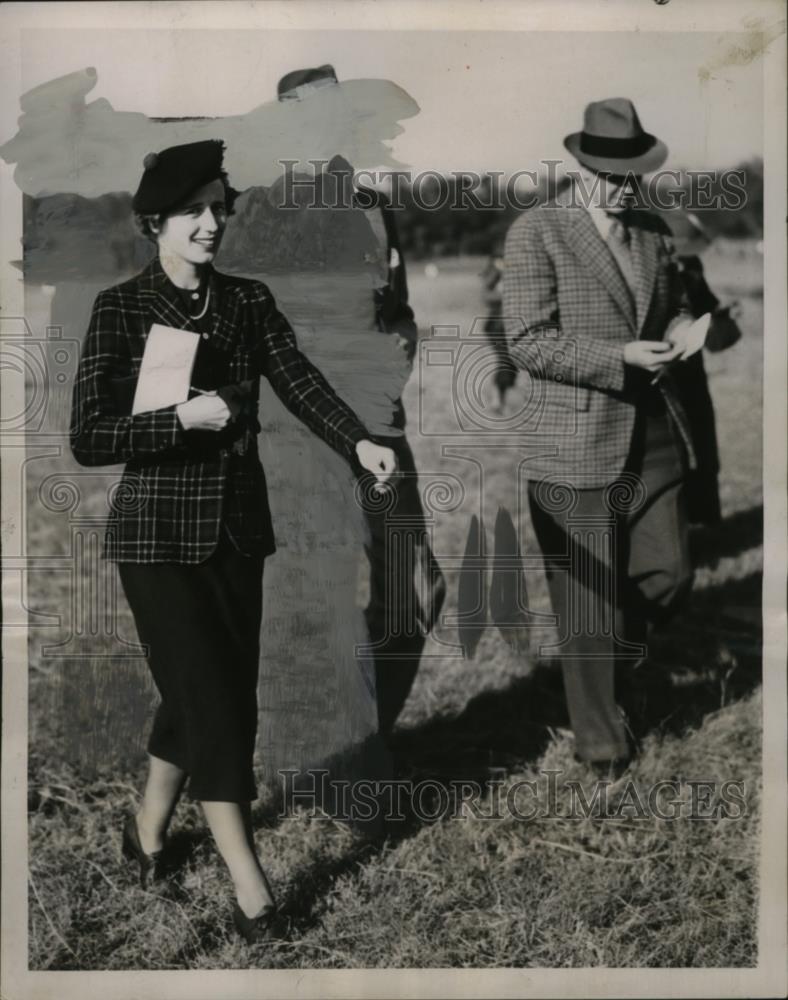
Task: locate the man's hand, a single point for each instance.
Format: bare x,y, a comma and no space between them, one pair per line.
206,412
382,462
651,355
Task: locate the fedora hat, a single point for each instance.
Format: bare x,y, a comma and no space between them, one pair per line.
613,140
289,87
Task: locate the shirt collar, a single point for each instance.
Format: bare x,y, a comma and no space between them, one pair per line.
601,220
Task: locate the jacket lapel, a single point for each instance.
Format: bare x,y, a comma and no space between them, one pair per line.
160,298
644,263
226,322
593,253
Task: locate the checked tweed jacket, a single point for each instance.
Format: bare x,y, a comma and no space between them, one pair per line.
568,313
178,486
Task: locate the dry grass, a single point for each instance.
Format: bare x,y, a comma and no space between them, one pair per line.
465,891
620,891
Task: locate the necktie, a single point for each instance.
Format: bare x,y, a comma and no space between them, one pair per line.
620,246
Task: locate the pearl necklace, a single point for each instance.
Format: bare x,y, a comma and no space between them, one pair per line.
205,307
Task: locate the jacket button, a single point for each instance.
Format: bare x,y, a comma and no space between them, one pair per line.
205,336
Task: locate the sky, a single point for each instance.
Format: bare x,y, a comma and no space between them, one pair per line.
489,100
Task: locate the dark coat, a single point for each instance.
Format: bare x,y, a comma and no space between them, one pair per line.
702,487
394,313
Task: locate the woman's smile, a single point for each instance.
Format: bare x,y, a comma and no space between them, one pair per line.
194,231
209,242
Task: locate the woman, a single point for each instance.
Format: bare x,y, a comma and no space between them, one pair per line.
190,526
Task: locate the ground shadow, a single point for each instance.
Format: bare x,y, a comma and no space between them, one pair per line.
732,536
706,658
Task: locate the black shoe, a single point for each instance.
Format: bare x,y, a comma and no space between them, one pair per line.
151,865
254,929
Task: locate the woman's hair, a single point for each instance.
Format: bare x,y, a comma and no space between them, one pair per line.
145,223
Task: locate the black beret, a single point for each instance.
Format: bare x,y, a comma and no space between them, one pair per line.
299,77
173,174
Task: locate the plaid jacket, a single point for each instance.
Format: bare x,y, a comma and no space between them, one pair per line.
178,486
568,313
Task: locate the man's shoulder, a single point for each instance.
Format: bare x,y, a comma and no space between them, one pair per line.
541,220
529,220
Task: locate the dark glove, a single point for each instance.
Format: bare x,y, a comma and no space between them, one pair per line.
724,331
241,401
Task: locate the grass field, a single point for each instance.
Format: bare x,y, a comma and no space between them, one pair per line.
623,890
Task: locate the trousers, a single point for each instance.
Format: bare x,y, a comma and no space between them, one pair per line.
614,572
407,588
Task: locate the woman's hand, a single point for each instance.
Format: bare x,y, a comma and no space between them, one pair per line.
206,412
650,355
382,462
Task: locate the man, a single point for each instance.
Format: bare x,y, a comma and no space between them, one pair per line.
407,587
592,297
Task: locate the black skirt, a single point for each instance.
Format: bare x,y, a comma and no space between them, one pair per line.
201,624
